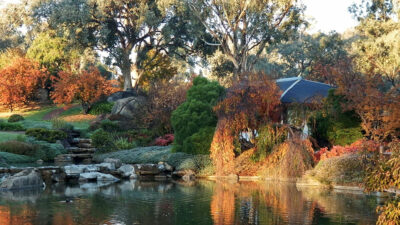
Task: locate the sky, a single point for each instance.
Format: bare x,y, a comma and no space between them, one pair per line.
327,15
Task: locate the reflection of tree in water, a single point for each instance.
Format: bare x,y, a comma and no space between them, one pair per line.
281,203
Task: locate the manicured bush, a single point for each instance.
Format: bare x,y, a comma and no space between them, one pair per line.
5,126
9,158
18,147
339,170
99,108
45,150
195,114
43,134
15,118
103,141
200,142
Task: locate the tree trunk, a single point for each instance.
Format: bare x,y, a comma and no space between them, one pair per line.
126,71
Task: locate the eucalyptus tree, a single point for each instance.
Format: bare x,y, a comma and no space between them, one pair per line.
377,52
243,29
118,27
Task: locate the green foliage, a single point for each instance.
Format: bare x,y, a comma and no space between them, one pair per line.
195,114
43,134
142,137
11,158
99,108
109,126
17,147
103,141
45,150
59,124
123,144
15,118
200,142
334,125
4,126
269,136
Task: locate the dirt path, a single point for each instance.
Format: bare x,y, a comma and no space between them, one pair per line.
57,112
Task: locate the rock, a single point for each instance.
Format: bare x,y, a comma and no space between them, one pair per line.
91,176
106,167
160,177
120,95
73,170
91,168
117,163
165,167
188,177
133,177
181,173
39,161
58,177
126,171
129,108
146,169
25,179
96,176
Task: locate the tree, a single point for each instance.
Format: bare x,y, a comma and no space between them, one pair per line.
87,87
117,27
18,82
195,116
243,29
158,67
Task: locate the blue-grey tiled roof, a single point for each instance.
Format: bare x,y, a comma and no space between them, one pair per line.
298,90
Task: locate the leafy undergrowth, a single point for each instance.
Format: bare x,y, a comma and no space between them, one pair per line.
342,170
181,161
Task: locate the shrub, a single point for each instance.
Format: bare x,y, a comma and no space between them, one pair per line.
103,141
15,118
17,147
4,126
142,137
165,140
109,126
195,113
200,142
123,144
43,134
99,108
333,124
338,170
45,150
58,124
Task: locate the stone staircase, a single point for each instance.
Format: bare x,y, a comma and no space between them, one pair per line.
80,152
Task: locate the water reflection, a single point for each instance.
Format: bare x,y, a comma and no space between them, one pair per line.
204,202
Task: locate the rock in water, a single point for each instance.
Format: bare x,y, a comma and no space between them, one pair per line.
117,163
126,171
25,179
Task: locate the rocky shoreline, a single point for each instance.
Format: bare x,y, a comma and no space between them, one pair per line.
109,171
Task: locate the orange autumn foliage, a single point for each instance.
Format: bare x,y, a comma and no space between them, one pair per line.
19,81
251,102
87,87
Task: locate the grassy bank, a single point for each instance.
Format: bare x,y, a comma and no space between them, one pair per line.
181,161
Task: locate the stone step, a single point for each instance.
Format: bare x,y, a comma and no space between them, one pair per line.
84,145
77,149
81,140
82,156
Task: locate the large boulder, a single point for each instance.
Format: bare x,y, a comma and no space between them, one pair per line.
120,95
127,171
146,169
129,108
96,176
117,163
25,179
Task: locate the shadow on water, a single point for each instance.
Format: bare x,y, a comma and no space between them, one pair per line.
202,202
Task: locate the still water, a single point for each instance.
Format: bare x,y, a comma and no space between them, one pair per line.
202,202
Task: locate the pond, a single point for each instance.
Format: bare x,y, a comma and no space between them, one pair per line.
201,202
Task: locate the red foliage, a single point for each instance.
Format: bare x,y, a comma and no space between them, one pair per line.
164,140
360,145
19,81
87,86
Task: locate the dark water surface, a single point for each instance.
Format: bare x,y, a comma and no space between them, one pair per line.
203,202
